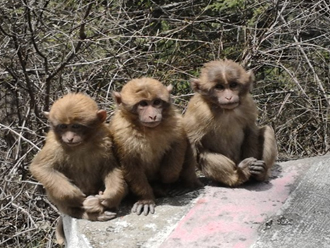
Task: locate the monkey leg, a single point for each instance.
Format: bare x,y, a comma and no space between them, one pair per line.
222,169
59,232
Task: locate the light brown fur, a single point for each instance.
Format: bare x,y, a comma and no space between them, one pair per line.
150,154
220,122
74,174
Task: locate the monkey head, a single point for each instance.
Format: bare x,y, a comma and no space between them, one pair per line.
144,101
74,118
223,83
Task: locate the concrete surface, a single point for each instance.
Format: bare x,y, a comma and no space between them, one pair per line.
291,210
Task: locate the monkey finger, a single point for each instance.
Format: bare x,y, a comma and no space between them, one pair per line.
256,168
246,162
137,208
259,163
146,209
134,208
257,173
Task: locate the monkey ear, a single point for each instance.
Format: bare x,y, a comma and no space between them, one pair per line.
117,97
169,88
46,114
102,115
195,84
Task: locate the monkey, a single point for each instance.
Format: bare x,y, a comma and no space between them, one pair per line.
77,166
220,122
150,141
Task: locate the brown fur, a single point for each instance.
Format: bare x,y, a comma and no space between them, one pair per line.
73,175
220,122
150,154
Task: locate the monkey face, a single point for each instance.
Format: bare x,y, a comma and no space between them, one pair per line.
227,95
150,112
71,134
75,118
223,83
144,101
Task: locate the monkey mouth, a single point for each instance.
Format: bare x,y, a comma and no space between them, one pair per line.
151,124
72,144
231,105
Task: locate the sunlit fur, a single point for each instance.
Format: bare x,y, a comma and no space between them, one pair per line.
149,154
223,138
70,174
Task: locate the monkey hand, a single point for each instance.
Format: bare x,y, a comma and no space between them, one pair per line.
92,204
243,168
145,206
107,200
258,170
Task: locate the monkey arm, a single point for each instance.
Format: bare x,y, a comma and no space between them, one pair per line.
268,150
269,147
172,162
260,143
138,183
115,188
58,186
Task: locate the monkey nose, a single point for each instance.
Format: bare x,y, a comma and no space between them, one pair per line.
228,98
152,117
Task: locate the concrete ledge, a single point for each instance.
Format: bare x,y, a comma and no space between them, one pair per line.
219,216
130,230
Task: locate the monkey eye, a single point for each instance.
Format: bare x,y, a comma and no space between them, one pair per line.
76,126
157,102
143,103
233,85
62,126
219,87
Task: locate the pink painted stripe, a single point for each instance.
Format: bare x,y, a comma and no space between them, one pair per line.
230,217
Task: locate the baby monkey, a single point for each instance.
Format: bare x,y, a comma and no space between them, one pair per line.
77,161
220,122
150,141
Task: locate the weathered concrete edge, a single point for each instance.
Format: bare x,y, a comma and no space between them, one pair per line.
161,237
271,238
74,239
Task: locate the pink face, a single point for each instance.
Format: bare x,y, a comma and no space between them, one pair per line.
71,134
150,112
227,95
